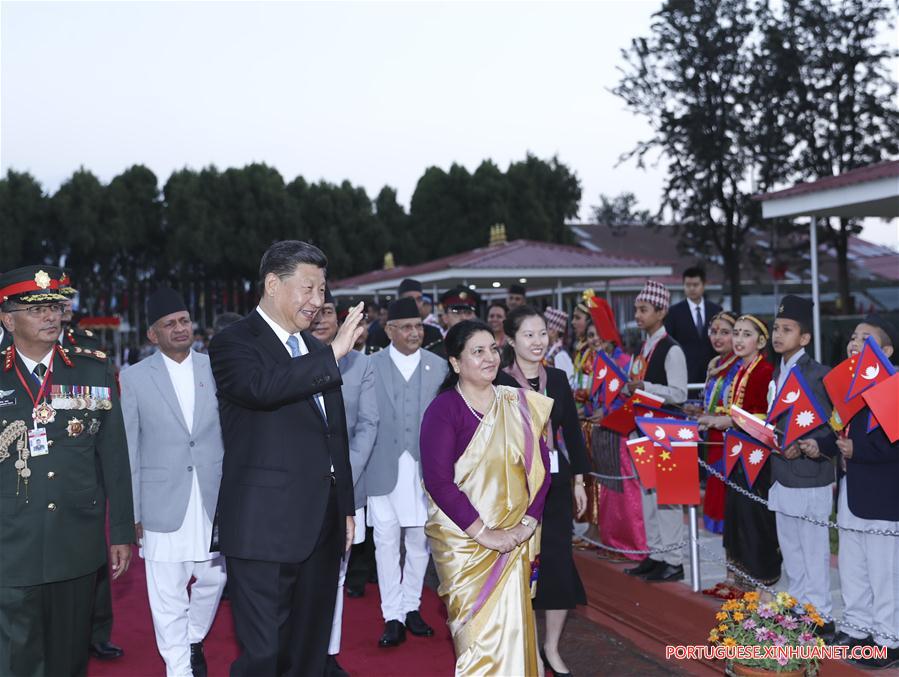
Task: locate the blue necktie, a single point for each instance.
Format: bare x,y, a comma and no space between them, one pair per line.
294,344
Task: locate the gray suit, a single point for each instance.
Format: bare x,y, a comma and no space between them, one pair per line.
164,455
361,405
381,471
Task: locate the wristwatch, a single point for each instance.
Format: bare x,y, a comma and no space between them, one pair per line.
528,521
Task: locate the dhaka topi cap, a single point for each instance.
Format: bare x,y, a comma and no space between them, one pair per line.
796,308
403,309
655,294
32,285
557,320
164,301
518,289
408,285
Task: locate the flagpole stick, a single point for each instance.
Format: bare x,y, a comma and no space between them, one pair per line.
694,550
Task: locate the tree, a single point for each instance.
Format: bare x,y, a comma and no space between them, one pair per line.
619,212
844,113
693,79
23,220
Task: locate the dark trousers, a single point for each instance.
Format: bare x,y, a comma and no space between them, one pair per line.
283,611
45,629
101,622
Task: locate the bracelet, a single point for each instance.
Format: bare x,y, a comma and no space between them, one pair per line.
483,528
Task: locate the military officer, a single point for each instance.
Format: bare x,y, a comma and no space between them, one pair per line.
460,303
101,623
63,453
70,335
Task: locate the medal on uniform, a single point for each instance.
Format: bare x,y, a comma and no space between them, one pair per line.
93,427
75,427
44,414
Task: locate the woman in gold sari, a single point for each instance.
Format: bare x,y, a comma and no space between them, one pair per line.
486,473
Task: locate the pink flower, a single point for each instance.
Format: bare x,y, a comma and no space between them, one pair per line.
761,634
779,640
782,660
748,624
807,638
765,611
779,618
789,623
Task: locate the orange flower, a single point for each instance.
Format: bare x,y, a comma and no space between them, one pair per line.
721,616
751,597
730,641
738,616
722,628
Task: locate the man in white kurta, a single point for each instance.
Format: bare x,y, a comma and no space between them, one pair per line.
174,438
406,380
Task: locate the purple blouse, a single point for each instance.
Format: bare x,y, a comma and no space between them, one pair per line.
446,430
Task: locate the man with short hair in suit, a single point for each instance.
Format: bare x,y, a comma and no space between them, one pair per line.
175,445
361,406
688,323
285,508
407,378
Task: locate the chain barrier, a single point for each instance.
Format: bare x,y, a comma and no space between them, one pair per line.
820,523
600,544
612,477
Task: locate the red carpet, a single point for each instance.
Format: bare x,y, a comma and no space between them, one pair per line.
359,654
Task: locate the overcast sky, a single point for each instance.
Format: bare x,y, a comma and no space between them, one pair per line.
371,92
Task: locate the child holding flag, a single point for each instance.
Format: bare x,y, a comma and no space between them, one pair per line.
750,533
803,474
659,368
869,499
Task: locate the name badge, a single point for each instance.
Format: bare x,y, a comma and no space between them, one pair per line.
553,461
37,442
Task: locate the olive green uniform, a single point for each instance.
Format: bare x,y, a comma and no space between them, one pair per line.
52,536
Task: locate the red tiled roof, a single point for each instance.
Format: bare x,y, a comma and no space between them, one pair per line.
509,255
881,170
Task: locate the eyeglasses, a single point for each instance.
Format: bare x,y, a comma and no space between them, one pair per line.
40,311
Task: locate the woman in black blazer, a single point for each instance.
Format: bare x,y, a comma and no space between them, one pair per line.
559,587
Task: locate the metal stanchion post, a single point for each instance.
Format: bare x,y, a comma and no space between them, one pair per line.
694,550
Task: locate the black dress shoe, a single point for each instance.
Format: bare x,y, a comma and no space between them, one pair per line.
644,567
843,639
197,660
825,632
666,572
394,634
333,669
889,661
547,666
105,650
416,625
355,591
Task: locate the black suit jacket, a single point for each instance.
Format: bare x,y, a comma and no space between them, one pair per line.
681,326
278,448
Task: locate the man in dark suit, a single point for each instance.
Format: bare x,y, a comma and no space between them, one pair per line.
285,508
688,323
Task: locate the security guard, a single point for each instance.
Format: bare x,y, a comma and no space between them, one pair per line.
60,423
71,336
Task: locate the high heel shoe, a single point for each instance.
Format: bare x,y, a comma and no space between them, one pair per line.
547,666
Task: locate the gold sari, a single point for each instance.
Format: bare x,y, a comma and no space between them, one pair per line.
487,593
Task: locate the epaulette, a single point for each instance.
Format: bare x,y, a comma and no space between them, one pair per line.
434,343
87,352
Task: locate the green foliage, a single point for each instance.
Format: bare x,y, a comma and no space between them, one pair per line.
206,229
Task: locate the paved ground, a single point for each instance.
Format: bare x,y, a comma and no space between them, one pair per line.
589,649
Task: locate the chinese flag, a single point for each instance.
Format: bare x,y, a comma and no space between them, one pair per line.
643,452
621,420
796,400
836,383
756,427
873,367
883,400
677,474
666,431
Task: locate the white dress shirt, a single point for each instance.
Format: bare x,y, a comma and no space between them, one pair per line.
190,542
675,370
31,364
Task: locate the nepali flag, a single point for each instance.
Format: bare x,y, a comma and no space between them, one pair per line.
621,420
873,367
751,453
795,399
883,401
666,431
608,378
756,427
643,453
836,383
677,474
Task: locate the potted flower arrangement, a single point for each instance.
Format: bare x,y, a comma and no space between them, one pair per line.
780,621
